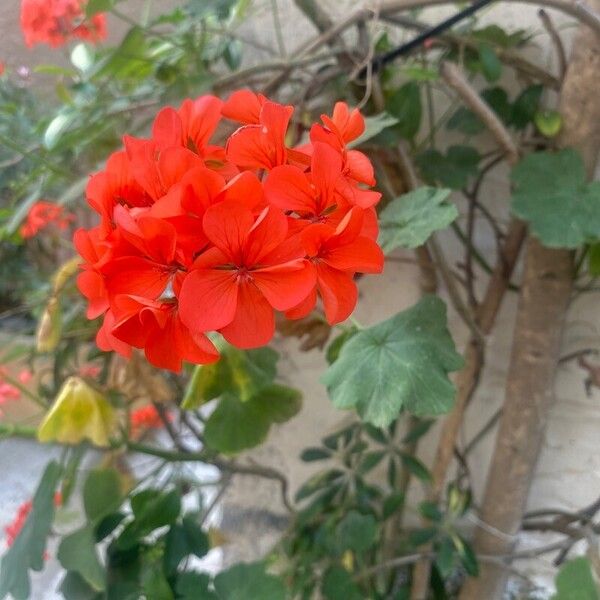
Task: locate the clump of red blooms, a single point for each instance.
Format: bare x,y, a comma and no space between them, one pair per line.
41,215
13,529
144,418
54,22
196,237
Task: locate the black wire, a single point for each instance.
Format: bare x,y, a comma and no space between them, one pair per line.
382,59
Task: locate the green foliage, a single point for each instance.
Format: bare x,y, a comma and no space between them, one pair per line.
356,532
245,581
405,105
235,425
593,258
453,170
374,125
238,373
77,553
338,585
551,193
27,552
405,363
409,220
575,581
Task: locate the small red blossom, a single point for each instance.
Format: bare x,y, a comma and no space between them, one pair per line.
13,529
196,237
54,22
25,376
42,214
91,371
144,418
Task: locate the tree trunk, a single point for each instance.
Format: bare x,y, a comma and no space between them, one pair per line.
543,302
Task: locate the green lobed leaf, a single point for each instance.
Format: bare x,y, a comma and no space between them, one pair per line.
356,532
404,364
94,7
409,220
27,551
235,425
452,170
238,373
551,193
575,581
101,493
490,64
525,106
77,553
74,587
193,586
245,581
405,105
338,585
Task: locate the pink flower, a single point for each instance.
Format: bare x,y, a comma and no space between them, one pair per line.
25,376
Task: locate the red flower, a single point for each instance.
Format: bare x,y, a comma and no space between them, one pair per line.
343,127
12,530
54,22
156,327
195,237
336,255
2,68
262,145
145,417
42,214
252,269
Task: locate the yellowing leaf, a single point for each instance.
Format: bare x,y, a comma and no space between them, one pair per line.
79,412
50,327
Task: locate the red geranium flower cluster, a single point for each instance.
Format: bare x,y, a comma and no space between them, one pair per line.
42,214
53,22
197,237
13,529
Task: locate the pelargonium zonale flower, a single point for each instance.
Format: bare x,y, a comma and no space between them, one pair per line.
54,22
201,236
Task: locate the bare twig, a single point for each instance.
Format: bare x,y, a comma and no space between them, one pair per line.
555,37
456,80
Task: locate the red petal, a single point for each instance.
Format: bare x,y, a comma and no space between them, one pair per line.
326,172
304,308
208,299
363,255
285,286
137,276
254,322
107,342
227,225
360,167
246,188
338,291
250,148
269,230
91,285
167,130
200,118
351,124
289,188
243,106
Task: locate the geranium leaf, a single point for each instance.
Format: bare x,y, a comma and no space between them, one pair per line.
407,221
77,552
238,372
404,364
101,493
552,195
576,582
235,425
27,551
245,581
